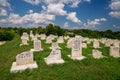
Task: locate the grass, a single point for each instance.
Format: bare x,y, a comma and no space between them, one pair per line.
88,69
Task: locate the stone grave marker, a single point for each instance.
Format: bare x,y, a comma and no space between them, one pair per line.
23,61
54,57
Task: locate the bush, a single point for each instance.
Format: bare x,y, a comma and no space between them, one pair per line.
6,35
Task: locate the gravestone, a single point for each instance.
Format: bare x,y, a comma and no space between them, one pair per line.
55,46
77,50
24,39
23,61
96,44
43,36
37,46
31,34
49,39
108,42
116,43
60,39
97,54
70,43
54,57
115,51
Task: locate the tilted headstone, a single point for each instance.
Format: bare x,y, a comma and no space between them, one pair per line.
97,54
115,51
23,61
54,57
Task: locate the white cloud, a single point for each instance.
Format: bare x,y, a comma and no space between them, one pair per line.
33,2
28,20
3,12
66,25
115,14
4,7
92,24
115,7
72,16
56,9
75,3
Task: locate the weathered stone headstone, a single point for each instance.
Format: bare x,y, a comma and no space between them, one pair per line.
24,39
115,51
23,61
54,58
31,34
116,43
60,39
97,54
70,43
43,36
108,42
95,44
77,50
37,46
49,39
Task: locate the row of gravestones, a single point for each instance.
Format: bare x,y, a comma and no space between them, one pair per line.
25,59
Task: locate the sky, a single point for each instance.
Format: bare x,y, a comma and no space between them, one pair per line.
68,14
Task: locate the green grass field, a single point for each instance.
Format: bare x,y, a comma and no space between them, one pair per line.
88,69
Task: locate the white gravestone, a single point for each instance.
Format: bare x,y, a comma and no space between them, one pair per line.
54,58
24,39
97,54
96,44
37,46
43,36
49,39
115,51
55,46
77,50
70,43
23,61
60,39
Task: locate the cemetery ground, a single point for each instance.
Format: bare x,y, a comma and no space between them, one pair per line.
107,68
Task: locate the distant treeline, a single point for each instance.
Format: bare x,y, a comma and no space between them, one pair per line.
8,33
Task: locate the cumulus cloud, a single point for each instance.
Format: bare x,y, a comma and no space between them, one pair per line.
4,7
56,9
115,7
93,23
72,16
33,18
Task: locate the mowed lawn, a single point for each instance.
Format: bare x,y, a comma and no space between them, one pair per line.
107,68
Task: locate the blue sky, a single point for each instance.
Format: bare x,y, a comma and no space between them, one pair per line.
71,14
